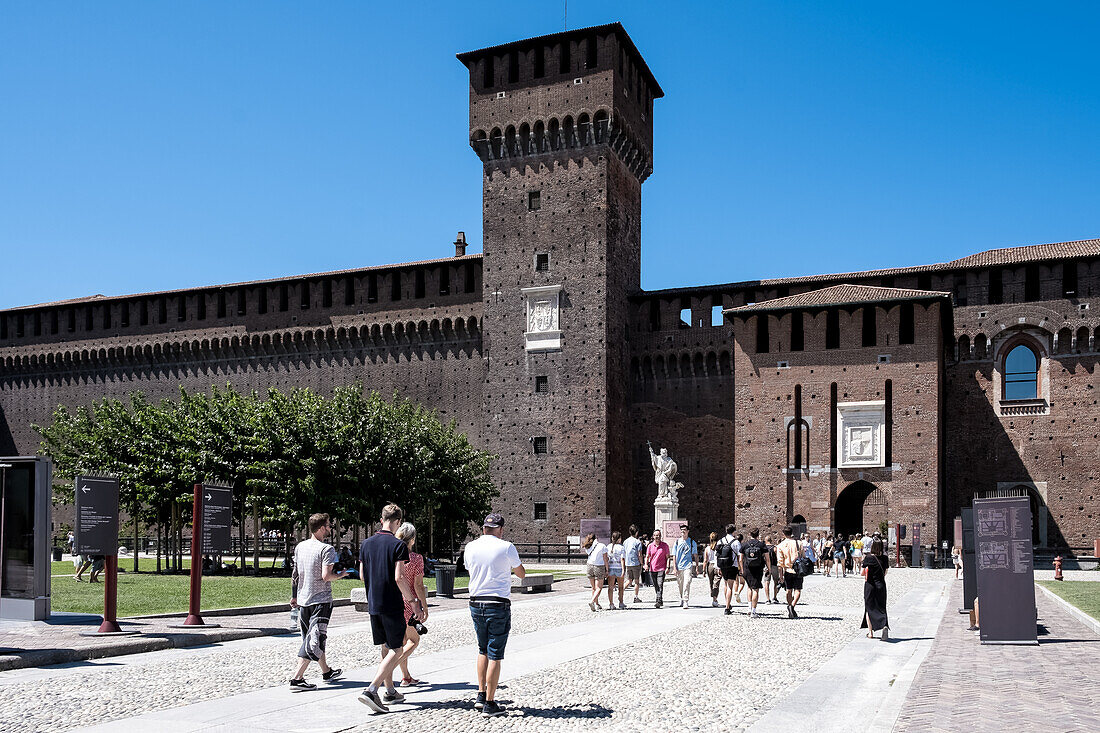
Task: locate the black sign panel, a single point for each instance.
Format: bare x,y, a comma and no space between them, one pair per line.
217,519
916,546
96,516
1006,572
970,573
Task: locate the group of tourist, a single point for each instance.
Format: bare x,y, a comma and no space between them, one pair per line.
393,576
735,565
842,552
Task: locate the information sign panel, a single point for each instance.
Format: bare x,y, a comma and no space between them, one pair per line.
601,527
96,515
217,519
916,546
1006,573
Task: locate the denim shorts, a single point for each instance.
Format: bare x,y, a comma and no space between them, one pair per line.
492,623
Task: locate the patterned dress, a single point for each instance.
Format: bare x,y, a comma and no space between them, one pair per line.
414,569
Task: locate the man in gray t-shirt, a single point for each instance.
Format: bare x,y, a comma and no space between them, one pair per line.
312,583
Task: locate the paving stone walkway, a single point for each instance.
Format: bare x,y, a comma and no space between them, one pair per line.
964,686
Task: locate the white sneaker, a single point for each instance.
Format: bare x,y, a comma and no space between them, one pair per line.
592,606
683,604
715,604
622,606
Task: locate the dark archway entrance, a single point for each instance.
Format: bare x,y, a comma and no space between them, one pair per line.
848,514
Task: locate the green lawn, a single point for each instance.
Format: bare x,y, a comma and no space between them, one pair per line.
1085,594
149,593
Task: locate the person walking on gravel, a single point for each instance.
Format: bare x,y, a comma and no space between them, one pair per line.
634,550
616,554
786,553
656,560
727,564
491,561
754,563
685,564
383,561
710,565
595,569
414,576
312,580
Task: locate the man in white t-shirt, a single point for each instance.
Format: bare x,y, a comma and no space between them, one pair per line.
634,550
491,561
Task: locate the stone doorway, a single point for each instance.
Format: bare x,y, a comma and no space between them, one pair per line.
860,505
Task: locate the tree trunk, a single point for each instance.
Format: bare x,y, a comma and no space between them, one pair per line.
172,521
159,526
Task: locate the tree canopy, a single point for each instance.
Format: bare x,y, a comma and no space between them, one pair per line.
294,453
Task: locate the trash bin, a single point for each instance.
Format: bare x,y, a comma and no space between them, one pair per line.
57,554
929,559
445,580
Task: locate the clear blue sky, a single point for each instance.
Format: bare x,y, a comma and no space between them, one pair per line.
154,145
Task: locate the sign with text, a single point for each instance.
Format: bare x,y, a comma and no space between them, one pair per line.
601,527
670,530
1006,574
916,545
217,519
96,515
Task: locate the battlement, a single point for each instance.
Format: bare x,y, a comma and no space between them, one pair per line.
557,95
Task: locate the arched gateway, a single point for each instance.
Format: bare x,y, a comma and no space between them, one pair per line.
860,505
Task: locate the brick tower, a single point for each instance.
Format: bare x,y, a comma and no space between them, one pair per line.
563,125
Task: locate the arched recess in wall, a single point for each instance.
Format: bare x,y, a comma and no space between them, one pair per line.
851,512
1064,341
964,348
980,346
1082,343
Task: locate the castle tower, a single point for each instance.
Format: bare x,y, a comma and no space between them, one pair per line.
563,125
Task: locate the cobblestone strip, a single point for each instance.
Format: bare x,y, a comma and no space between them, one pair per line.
965,686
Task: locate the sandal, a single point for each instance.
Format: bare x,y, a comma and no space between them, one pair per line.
409,682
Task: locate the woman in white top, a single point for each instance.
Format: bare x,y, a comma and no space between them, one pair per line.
710,562
597,568
616,555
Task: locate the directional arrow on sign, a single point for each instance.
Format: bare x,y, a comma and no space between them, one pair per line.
86,489
208,497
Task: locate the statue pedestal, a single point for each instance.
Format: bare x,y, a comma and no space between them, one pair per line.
665,509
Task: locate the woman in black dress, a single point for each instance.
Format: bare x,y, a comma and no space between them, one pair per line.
874,592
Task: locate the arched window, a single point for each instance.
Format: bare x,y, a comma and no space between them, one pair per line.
1021,374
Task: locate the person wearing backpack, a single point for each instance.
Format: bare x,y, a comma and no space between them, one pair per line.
754,561
771,579
685,565
727,564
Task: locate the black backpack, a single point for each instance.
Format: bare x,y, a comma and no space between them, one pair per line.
754,553
726,560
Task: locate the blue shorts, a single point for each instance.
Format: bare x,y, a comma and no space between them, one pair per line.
492,623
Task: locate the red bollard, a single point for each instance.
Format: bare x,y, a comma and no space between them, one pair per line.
194,617
110,597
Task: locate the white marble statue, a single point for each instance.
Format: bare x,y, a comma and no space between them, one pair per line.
664,474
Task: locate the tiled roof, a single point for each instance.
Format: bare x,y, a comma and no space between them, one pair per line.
989,258
269,281
839,295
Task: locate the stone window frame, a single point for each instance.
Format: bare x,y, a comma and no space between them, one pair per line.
545,511
1037,340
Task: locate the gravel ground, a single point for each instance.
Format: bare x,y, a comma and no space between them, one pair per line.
101,694
714,693
730,671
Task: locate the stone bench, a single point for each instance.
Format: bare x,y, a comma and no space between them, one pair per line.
533,583
359,599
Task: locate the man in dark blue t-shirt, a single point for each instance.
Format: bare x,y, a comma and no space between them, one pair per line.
382,559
